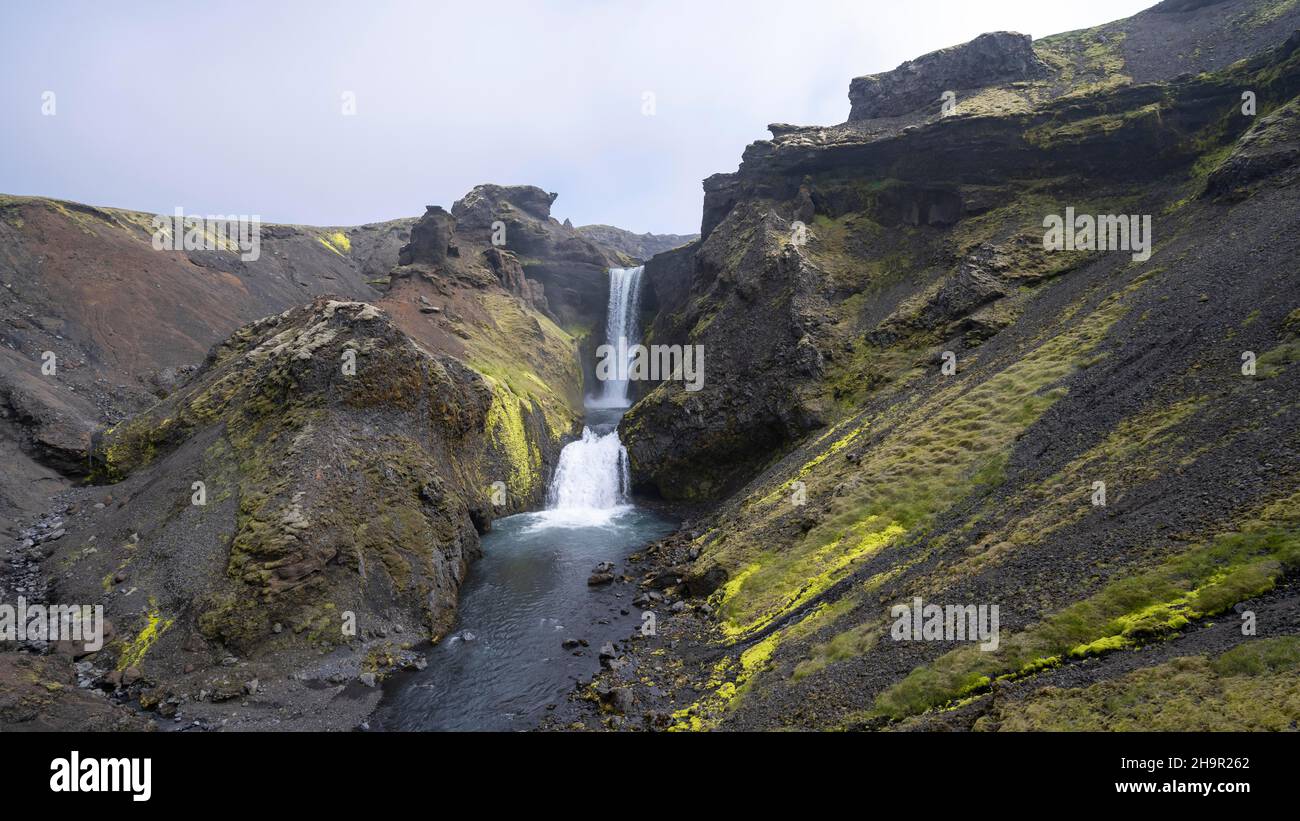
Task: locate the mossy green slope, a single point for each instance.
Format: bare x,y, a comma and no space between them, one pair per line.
1253,687
1099,465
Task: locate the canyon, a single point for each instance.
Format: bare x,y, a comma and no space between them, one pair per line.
825,468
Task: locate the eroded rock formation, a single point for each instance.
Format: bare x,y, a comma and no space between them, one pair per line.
995,58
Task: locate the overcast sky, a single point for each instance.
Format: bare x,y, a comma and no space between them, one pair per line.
236,108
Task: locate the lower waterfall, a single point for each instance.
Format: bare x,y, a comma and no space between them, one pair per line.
592,473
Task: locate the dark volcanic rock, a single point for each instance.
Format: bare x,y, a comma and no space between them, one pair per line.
511,276
431,238
489,203
1271,147
990,59
759,295
636,246
572,269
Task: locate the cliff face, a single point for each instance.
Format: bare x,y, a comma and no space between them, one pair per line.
996,58
855,472
572,268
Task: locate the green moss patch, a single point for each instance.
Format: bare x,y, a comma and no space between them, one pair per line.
1206,579
1273,362
530,356
1253,687
337,242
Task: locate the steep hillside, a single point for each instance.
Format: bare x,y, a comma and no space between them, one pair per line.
855,472
126,322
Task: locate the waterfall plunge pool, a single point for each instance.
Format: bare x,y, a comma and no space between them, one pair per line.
524,596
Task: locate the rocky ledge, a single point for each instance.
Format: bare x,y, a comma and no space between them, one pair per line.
990,59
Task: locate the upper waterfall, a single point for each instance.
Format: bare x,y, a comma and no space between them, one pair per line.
620,324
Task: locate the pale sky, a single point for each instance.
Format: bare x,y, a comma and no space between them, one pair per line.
236,108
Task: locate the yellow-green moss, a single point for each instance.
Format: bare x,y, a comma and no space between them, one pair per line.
1266,12
1102,126
1086,61
506,430
1252,687
532,357
705,713
337,242
1273,362
838,444
851,643
234,620
1261,656
732,679
133,651
1208,578
131,444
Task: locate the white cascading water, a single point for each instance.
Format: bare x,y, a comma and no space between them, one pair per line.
621,324
592,473
592,480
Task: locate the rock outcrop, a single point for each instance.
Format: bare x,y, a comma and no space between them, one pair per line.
1270,148
572,268
431,239
344,469
991,59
